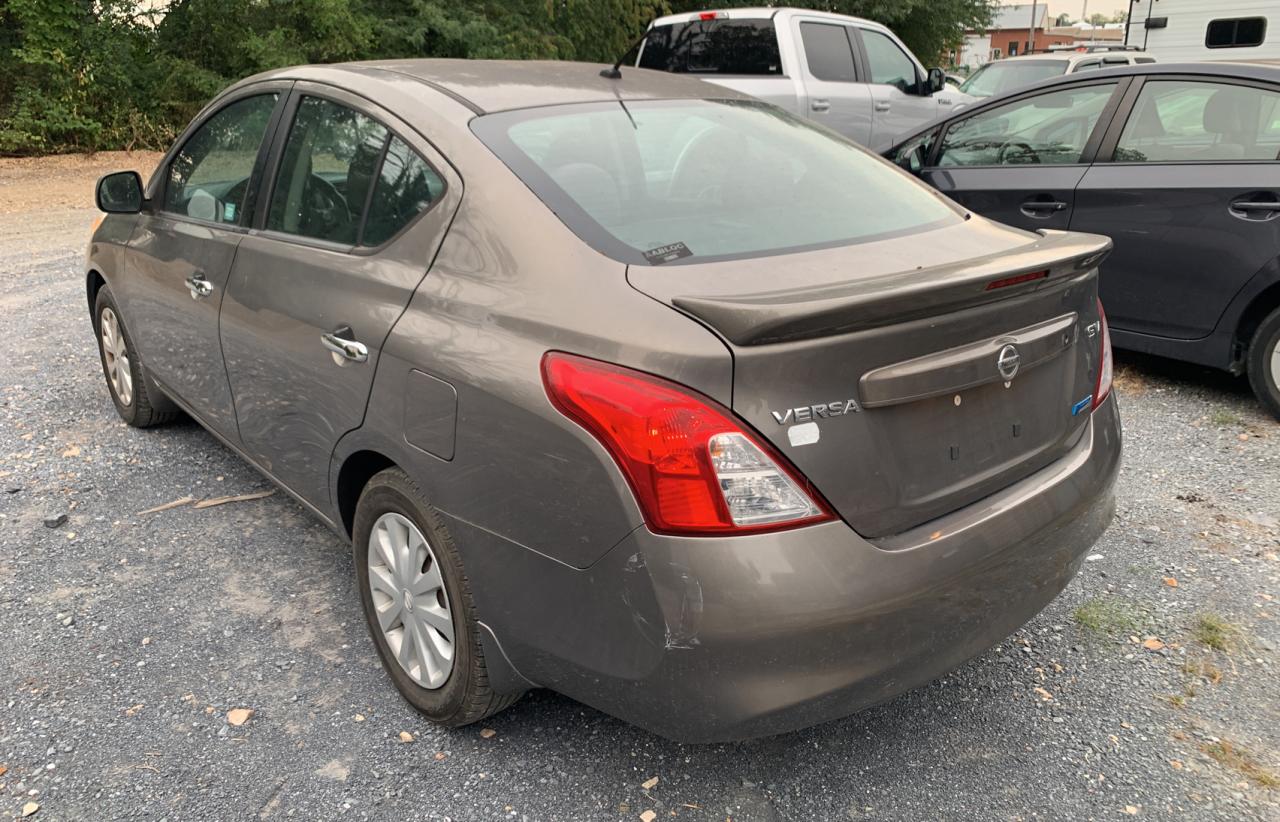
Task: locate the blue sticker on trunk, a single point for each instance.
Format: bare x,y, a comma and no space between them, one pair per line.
1080,406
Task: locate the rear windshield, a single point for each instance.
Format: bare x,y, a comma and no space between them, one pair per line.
652,182
713,47
999,77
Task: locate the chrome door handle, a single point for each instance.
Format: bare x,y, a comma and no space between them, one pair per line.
883,105
820,105
199,286
340,346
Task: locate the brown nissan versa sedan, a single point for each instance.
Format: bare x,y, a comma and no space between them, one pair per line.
637,388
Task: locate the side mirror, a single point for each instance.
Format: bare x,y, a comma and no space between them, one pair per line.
119,193
936,81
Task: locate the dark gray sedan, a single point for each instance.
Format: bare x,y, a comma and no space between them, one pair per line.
1178,164
634,388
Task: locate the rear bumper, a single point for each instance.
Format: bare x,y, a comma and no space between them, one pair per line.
704,640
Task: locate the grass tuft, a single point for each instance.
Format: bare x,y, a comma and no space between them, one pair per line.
1229,756
1109,615
1212,631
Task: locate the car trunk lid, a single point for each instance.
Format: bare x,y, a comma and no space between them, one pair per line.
904,392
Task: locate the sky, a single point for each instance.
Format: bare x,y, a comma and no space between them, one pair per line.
1073,7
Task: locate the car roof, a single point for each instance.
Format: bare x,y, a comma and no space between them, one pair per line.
1072,56
763,13
486,86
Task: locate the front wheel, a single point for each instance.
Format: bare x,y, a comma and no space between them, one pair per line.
1264,363
137,401
418,605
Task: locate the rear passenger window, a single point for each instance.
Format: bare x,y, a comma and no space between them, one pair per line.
326,171
406,187
1047,129
889,64
828,52
716,46
1187,121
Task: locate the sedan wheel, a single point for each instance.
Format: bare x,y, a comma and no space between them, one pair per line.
115,355
137,399
410,600
418,604
1263,361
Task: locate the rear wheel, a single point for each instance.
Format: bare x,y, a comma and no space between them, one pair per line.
1264,363
418,605
137,400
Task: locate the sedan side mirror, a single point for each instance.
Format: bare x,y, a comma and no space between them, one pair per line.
120,193
936,81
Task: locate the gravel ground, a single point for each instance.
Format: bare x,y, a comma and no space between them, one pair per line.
128,640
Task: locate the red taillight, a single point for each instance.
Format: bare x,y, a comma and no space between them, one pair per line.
1106,368
693,468
707,15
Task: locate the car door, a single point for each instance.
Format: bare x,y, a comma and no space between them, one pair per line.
1019,162
900,100
1191,196
837,97
186,238
355,207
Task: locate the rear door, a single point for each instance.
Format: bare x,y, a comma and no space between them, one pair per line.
837,96
1191,197
184,244
355,209
1020,162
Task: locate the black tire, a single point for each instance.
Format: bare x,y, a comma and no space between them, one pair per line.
465,696
147,406
1262,374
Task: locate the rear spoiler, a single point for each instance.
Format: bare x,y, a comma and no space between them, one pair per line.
794,314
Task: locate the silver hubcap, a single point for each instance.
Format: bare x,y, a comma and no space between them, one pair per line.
1275,363
410,601
116,355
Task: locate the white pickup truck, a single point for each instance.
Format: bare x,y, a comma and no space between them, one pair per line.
852,75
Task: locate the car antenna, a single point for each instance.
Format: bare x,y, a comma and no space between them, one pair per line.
614,72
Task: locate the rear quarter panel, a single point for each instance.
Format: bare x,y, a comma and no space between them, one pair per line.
510,283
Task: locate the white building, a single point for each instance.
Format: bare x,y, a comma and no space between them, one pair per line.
1180,30
1012,25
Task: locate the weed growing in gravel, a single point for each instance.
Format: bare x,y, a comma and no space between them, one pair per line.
1228,755
1109,615
1224,417
1212,631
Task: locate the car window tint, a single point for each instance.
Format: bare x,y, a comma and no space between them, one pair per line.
827,51
723,177
719,46
208,178
889,65
406,187
1089,66
1188,121
327,167
1047,129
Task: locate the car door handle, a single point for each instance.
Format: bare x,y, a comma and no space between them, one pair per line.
1042,208
199,286
820,105
883,105
340,346
1255,209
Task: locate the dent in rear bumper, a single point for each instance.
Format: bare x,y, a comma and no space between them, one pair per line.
704,640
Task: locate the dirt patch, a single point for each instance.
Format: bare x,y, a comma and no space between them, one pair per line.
64,180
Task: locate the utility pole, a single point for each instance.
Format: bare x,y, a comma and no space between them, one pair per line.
1084,12
1031,44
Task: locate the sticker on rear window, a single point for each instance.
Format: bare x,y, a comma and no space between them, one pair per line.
667,253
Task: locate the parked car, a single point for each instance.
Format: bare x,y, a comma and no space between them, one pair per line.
721,453
849,74
1177,163
1011,73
